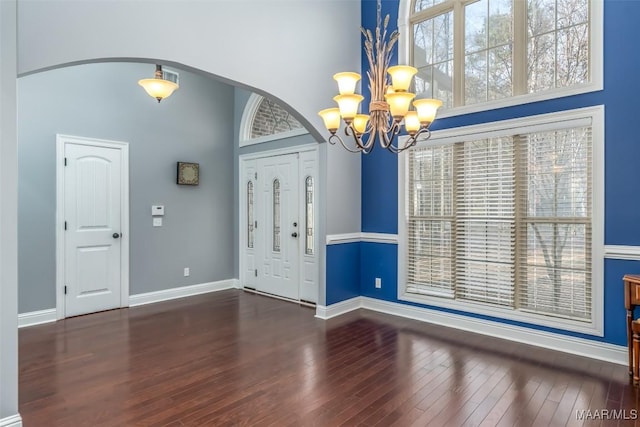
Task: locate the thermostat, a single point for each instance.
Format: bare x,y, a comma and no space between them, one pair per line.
157,210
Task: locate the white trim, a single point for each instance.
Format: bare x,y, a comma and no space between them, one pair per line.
61,140
565,343
337,309
279,152
39,317
248,115
236,284
246,122
274,137
631,253
181,292
379,238
593,116
559,119
337,239
596,61
12,421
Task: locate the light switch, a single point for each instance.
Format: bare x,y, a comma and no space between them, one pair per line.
157,210
157,221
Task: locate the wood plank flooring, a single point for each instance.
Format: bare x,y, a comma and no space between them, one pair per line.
233,358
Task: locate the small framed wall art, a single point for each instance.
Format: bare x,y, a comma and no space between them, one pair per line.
188,173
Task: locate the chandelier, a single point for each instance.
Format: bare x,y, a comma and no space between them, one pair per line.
390,103
158,87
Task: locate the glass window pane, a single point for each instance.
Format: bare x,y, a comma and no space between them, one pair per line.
573,56
276,215
309,216
423,44
500,22
425,4
475,83
541,17
443,82
475,26
271,119
541,66
499,75
250,220
572,12
443,37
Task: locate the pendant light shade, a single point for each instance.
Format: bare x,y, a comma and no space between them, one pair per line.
158,87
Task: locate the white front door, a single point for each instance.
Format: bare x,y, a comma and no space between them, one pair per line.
93,215
278,225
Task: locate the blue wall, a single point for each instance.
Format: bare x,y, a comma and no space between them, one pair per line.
622,152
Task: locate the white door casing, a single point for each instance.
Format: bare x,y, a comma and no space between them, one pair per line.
292,271
92,208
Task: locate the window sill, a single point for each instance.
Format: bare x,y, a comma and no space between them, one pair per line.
588,328
518,100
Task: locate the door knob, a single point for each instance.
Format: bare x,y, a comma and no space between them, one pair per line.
116,235
294,234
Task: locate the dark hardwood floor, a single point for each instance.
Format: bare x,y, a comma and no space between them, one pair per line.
234,358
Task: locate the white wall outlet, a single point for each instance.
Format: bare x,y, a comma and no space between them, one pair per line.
157,221
186,272
378,282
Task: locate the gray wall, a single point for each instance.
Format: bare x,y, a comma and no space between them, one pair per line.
275,47
104,101
8,214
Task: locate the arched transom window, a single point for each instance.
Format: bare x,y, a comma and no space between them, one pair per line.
265,120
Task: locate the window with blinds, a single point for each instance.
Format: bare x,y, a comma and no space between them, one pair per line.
504,219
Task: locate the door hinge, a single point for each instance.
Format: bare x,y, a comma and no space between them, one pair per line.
256,225
256,175
65,289
65,161
65,225
256,272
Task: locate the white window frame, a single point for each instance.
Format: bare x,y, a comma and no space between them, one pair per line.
596,60
246,124
543,122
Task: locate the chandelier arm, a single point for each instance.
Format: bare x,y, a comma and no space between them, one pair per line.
412,141
334,138
390,134
350,131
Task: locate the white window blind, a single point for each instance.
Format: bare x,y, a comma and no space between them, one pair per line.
430,221
504,221
555,274
485,221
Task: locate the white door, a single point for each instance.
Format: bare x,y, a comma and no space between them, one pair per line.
278,226
93,182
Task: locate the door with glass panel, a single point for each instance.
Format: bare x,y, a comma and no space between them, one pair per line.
278,225
279,247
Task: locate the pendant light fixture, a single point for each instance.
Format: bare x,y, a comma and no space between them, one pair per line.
158,87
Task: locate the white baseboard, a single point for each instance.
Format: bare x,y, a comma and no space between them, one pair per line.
236,283
12,421
567,344
342,307
181,292
39,317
